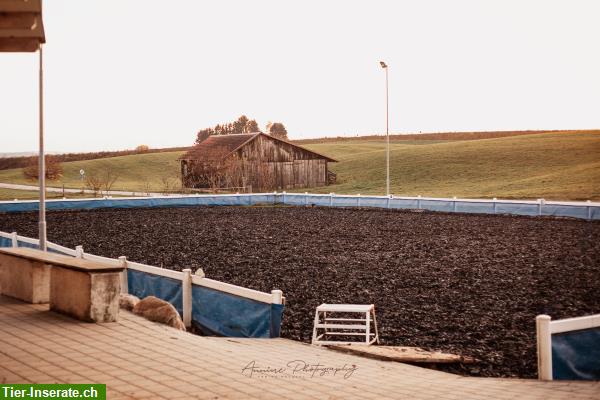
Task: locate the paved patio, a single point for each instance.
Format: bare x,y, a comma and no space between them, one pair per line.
138,359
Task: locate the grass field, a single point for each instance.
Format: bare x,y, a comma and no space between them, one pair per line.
552,166
135,172
11,194
561,166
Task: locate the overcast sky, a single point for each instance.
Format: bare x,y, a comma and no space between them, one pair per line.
120,73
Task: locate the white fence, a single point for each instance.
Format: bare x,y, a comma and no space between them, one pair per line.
545,328
186,277
583,210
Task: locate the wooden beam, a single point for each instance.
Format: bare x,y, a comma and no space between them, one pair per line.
17,20
9,45
21,6
36,32
404,354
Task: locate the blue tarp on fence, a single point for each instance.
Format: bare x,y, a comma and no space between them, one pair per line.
213,312
576,355
141,284
5,242
582,210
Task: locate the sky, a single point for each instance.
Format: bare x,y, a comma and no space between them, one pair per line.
121,73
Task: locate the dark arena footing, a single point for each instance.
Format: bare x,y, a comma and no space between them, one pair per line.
462,283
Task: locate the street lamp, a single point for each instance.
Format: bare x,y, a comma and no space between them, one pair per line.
22,30
387,131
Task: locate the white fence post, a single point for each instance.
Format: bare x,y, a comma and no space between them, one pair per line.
79,251
589,210
186,294
283,197
388,202
495,204
541,204
305,198
419,202
277,296
358,201
14,239
454,203
124,280
330,199
544,347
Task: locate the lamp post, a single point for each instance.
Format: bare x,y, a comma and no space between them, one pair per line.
387,130
22,30
42,159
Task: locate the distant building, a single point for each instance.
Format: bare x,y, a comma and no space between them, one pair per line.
253,162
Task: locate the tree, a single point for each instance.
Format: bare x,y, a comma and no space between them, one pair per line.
215,170
252,126
239,126
108,179
277,130
242,125
53,168
93,182
142,148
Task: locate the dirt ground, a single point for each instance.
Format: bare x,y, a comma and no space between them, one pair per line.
469,284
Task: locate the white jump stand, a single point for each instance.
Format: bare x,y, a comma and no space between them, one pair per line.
326,326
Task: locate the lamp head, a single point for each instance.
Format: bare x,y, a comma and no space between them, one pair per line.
383,65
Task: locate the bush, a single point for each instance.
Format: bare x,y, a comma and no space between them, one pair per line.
54,168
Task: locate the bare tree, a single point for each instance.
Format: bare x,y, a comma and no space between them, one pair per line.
146,186
93,182
169,183
108,179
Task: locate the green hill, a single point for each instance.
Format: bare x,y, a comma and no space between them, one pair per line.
549,165
136,172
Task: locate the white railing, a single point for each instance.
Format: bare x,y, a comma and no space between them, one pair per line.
577,209
545,328
186,277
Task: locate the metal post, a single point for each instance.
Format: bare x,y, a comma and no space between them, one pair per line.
387,132
42,164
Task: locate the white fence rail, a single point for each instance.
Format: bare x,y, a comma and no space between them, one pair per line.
185,276
583,210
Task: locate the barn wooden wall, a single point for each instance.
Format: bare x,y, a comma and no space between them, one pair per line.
277,165
274,165
286,175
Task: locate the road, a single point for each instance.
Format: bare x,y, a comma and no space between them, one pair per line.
68,190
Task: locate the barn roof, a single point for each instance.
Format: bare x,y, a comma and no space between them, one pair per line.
220,146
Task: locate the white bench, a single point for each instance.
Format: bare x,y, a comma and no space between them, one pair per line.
328,325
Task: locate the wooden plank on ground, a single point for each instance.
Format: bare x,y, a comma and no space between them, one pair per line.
404,354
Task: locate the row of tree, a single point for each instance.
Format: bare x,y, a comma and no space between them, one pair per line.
242,125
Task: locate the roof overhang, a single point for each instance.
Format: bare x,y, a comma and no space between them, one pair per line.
21,26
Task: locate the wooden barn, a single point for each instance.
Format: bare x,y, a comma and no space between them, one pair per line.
253,162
